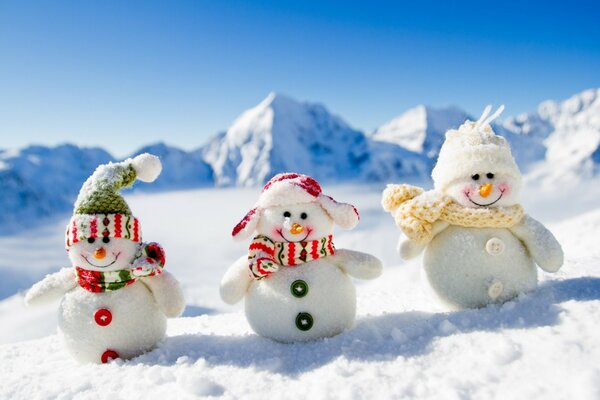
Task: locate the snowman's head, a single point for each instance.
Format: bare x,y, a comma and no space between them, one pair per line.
102,234
475,166
103,254
485,189
295,223
292,208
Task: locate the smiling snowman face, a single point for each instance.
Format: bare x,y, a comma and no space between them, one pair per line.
295,223
103,254
485,189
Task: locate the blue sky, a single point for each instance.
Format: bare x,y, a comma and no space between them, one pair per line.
121,74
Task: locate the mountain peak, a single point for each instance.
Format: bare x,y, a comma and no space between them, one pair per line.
278,100
421,128
281,134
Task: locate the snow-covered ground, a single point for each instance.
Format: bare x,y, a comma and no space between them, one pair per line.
542,345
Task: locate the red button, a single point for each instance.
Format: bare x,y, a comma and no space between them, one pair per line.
103,317
109,355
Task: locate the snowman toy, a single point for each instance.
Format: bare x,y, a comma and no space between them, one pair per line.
480,247
296,285
117,297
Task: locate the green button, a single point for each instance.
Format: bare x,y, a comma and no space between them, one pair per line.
299,288
304,321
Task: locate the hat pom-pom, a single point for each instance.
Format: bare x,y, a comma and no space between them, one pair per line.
147,167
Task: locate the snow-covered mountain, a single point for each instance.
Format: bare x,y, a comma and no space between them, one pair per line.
421,129
558,142
281,134
569,134
38,181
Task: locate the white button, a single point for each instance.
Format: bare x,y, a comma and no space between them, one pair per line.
494,246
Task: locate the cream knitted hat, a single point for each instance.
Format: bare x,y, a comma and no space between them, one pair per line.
471,149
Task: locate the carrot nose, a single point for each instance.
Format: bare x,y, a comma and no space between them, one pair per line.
485,190
296,229
100,253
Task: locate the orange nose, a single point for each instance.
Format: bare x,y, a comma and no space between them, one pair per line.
100,253
485,190
296,229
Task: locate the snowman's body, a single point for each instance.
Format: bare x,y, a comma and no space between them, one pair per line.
462,264
126,321
306,302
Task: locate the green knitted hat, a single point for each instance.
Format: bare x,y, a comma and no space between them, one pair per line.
100,210
100,193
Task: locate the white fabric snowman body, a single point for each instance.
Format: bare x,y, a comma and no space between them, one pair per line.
480,247
117,297
296,285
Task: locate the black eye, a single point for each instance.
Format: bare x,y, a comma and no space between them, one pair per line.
475,177
303,215
490,175
105,239
287,214
91,240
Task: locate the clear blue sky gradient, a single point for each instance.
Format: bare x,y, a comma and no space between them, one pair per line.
121,74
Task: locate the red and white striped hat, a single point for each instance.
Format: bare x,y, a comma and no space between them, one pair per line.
291,188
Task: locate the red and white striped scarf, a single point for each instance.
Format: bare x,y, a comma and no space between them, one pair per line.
265,256
149,261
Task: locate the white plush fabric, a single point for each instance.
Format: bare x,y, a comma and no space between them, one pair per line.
51,288
119,254
270,307
271,310
283,193
461,271
541,244
167,293
344,215
138,325
139,313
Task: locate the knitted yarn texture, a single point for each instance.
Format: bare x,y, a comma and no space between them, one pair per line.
415,211
265,256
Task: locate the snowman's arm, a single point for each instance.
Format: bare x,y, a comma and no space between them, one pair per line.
236,281
541,243
409,249
52,287
358,265
167,293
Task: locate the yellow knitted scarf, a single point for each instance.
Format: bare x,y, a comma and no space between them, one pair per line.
415,211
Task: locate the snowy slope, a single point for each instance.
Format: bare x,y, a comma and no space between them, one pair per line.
421,129
181,169
390,162
542,345
41,182
281,134
37,181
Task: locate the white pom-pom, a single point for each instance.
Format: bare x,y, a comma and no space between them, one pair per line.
147,167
